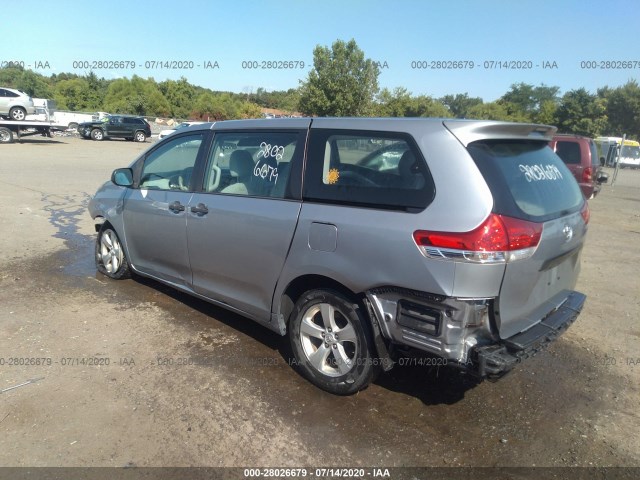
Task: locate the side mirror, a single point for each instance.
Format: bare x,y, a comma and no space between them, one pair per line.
123,177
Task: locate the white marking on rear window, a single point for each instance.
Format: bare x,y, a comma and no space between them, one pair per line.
265,171
267,150
536,173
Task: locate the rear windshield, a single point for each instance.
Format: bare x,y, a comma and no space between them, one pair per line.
527,179
569,152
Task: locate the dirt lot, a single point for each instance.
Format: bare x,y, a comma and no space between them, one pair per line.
576,404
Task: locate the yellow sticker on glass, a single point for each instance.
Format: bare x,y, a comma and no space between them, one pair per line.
333,176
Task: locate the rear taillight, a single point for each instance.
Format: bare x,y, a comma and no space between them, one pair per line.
497,239
587,175
586,214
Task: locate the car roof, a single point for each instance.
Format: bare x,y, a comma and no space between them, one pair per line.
125,116
571,135
467,130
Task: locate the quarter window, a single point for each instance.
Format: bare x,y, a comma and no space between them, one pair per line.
377,169
170,166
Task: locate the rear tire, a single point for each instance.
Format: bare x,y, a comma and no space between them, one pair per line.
72,126
109,255
139,137
6,135
331,342
17,113
97,134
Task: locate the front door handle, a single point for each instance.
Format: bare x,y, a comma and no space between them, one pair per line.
200,209
176,207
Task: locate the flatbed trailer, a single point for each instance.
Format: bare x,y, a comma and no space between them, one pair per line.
13,129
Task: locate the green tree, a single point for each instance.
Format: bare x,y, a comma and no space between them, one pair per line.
180,95
460,104
97,91
27,81
341,83
393,104
400,103
9,76
136,96
286,100
528,100
582,113
73,94
491,111
426,106
209,106
623,109
34,84
249,110
547,113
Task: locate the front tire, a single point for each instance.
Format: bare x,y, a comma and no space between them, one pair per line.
109,255
97,134
17,113
331,342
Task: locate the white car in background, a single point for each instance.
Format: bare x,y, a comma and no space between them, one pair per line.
14,104
180,126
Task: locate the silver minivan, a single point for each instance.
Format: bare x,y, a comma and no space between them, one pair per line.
360,239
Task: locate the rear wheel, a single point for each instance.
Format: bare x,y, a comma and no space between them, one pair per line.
331,342
110,258
17,113
72,126
139,136
6,135
97,134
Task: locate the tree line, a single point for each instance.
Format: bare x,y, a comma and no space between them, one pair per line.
342,82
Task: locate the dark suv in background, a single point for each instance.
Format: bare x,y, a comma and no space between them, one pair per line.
580,155
117,126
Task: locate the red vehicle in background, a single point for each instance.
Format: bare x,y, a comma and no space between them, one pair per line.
581,156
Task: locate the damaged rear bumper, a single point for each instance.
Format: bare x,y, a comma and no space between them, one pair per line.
495,360
458,330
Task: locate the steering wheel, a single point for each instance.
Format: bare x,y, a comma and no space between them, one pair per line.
356,179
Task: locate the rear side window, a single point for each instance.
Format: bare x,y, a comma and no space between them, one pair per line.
569,152
256,164
376,169
527,179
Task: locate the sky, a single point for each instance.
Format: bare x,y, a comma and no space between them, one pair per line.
242,45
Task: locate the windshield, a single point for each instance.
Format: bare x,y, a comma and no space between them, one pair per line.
630,151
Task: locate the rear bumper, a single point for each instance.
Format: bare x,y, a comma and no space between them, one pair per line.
495,360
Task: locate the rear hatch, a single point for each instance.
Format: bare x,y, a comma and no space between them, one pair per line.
531,183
